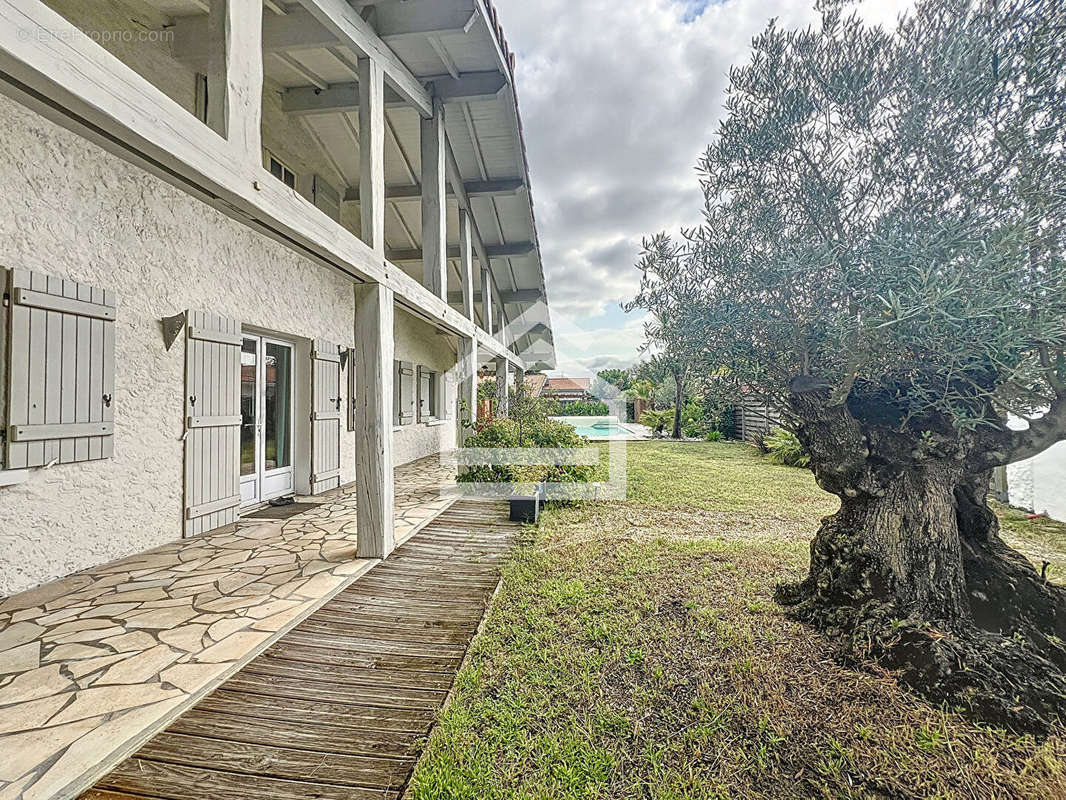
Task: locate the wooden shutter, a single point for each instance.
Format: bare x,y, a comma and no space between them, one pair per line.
404,393
61,372
326,198
212,422
325,416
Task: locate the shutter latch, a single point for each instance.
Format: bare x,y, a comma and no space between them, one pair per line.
337,400
107,401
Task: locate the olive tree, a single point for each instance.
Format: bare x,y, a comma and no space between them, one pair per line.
882,258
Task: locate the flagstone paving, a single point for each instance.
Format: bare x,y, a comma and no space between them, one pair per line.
91,665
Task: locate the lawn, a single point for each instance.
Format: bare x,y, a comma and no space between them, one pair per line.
634,651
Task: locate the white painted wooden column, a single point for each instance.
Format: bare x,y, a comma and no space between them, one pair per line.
373,420
466,262
434,208
503,382
235,75
486,298
372,154
467,368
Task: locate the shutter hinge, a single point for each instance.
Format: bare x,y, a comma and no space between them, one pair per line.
7,299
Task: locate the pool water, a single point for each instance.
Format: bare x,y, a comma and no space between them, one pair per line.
598,427
601,430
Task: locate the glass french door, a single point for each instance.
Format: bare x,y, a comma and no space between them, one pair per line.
266,419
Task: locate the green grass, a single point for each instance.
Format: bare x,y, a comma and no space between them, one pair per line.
1040,539
635,651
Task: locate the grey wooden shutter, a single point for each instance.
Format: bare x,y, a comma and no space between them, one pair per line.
404,393
325,416
212,422
61,374
326,198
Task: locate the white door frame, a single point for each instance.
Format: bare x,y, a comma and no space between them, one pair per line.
263,484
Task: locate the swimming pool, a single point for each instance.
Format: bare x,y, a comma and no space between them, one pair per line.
600,427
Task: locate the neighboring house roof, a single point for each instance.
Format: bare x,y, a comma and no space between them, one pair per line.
568,384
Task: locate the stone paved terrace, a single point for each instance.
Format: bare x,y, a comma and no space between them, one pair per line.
95,663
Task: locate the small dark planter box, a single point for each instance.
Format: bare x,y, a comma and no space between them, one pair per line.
525,508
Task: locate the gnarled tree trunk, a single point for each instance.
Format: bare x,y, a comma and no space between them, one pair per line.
912,573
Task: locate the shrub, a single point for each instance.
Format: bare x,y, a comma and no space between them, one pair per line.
582,408
784,448
657,420
714,436
529,426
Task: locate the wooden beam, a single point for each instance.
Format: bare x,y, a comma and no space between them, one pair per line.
340,98
372,154
517,296
336,98
495,188
468,86
297,30
434,209
235,74
466,265
467,374
293,63
503,383
492,251
374,347
486,298
352,30
418,18
79,85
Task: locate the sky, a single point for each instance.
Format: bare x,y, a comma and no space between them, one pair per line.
619,98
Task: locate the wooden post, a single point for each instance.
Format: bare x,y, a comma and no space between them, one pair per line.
235,74
373,420
434,208
486,298
372,154
503,397
501,318
467,368
466,259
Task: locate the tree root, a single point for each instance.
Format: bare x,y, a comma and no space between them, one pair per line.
1004,665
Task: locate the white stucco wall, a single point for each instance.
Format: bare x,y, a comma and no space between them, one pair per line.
419,342
68,208
1039,483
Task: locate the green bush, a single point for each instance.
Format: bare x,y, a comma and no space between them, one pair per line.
657,420
714,436
783,447
582,408
532,433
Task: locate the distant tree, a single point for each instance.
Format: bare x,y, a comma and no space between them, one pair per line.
882,257
617,377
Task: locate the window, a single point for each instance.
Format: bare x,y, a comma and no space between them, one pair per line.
427,395
403,393
282,173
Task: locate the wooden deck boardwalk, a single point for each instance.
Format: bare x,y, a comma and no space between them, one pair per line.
339,707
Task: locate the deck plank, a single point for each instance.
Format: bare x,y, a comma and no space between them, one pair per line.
339,706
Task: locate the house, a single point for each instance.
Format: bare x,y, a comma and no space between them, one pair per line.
1037,484
568,390
250,249
195,209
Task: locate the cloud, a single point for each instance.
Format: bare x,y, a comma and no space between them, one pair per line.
619,100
